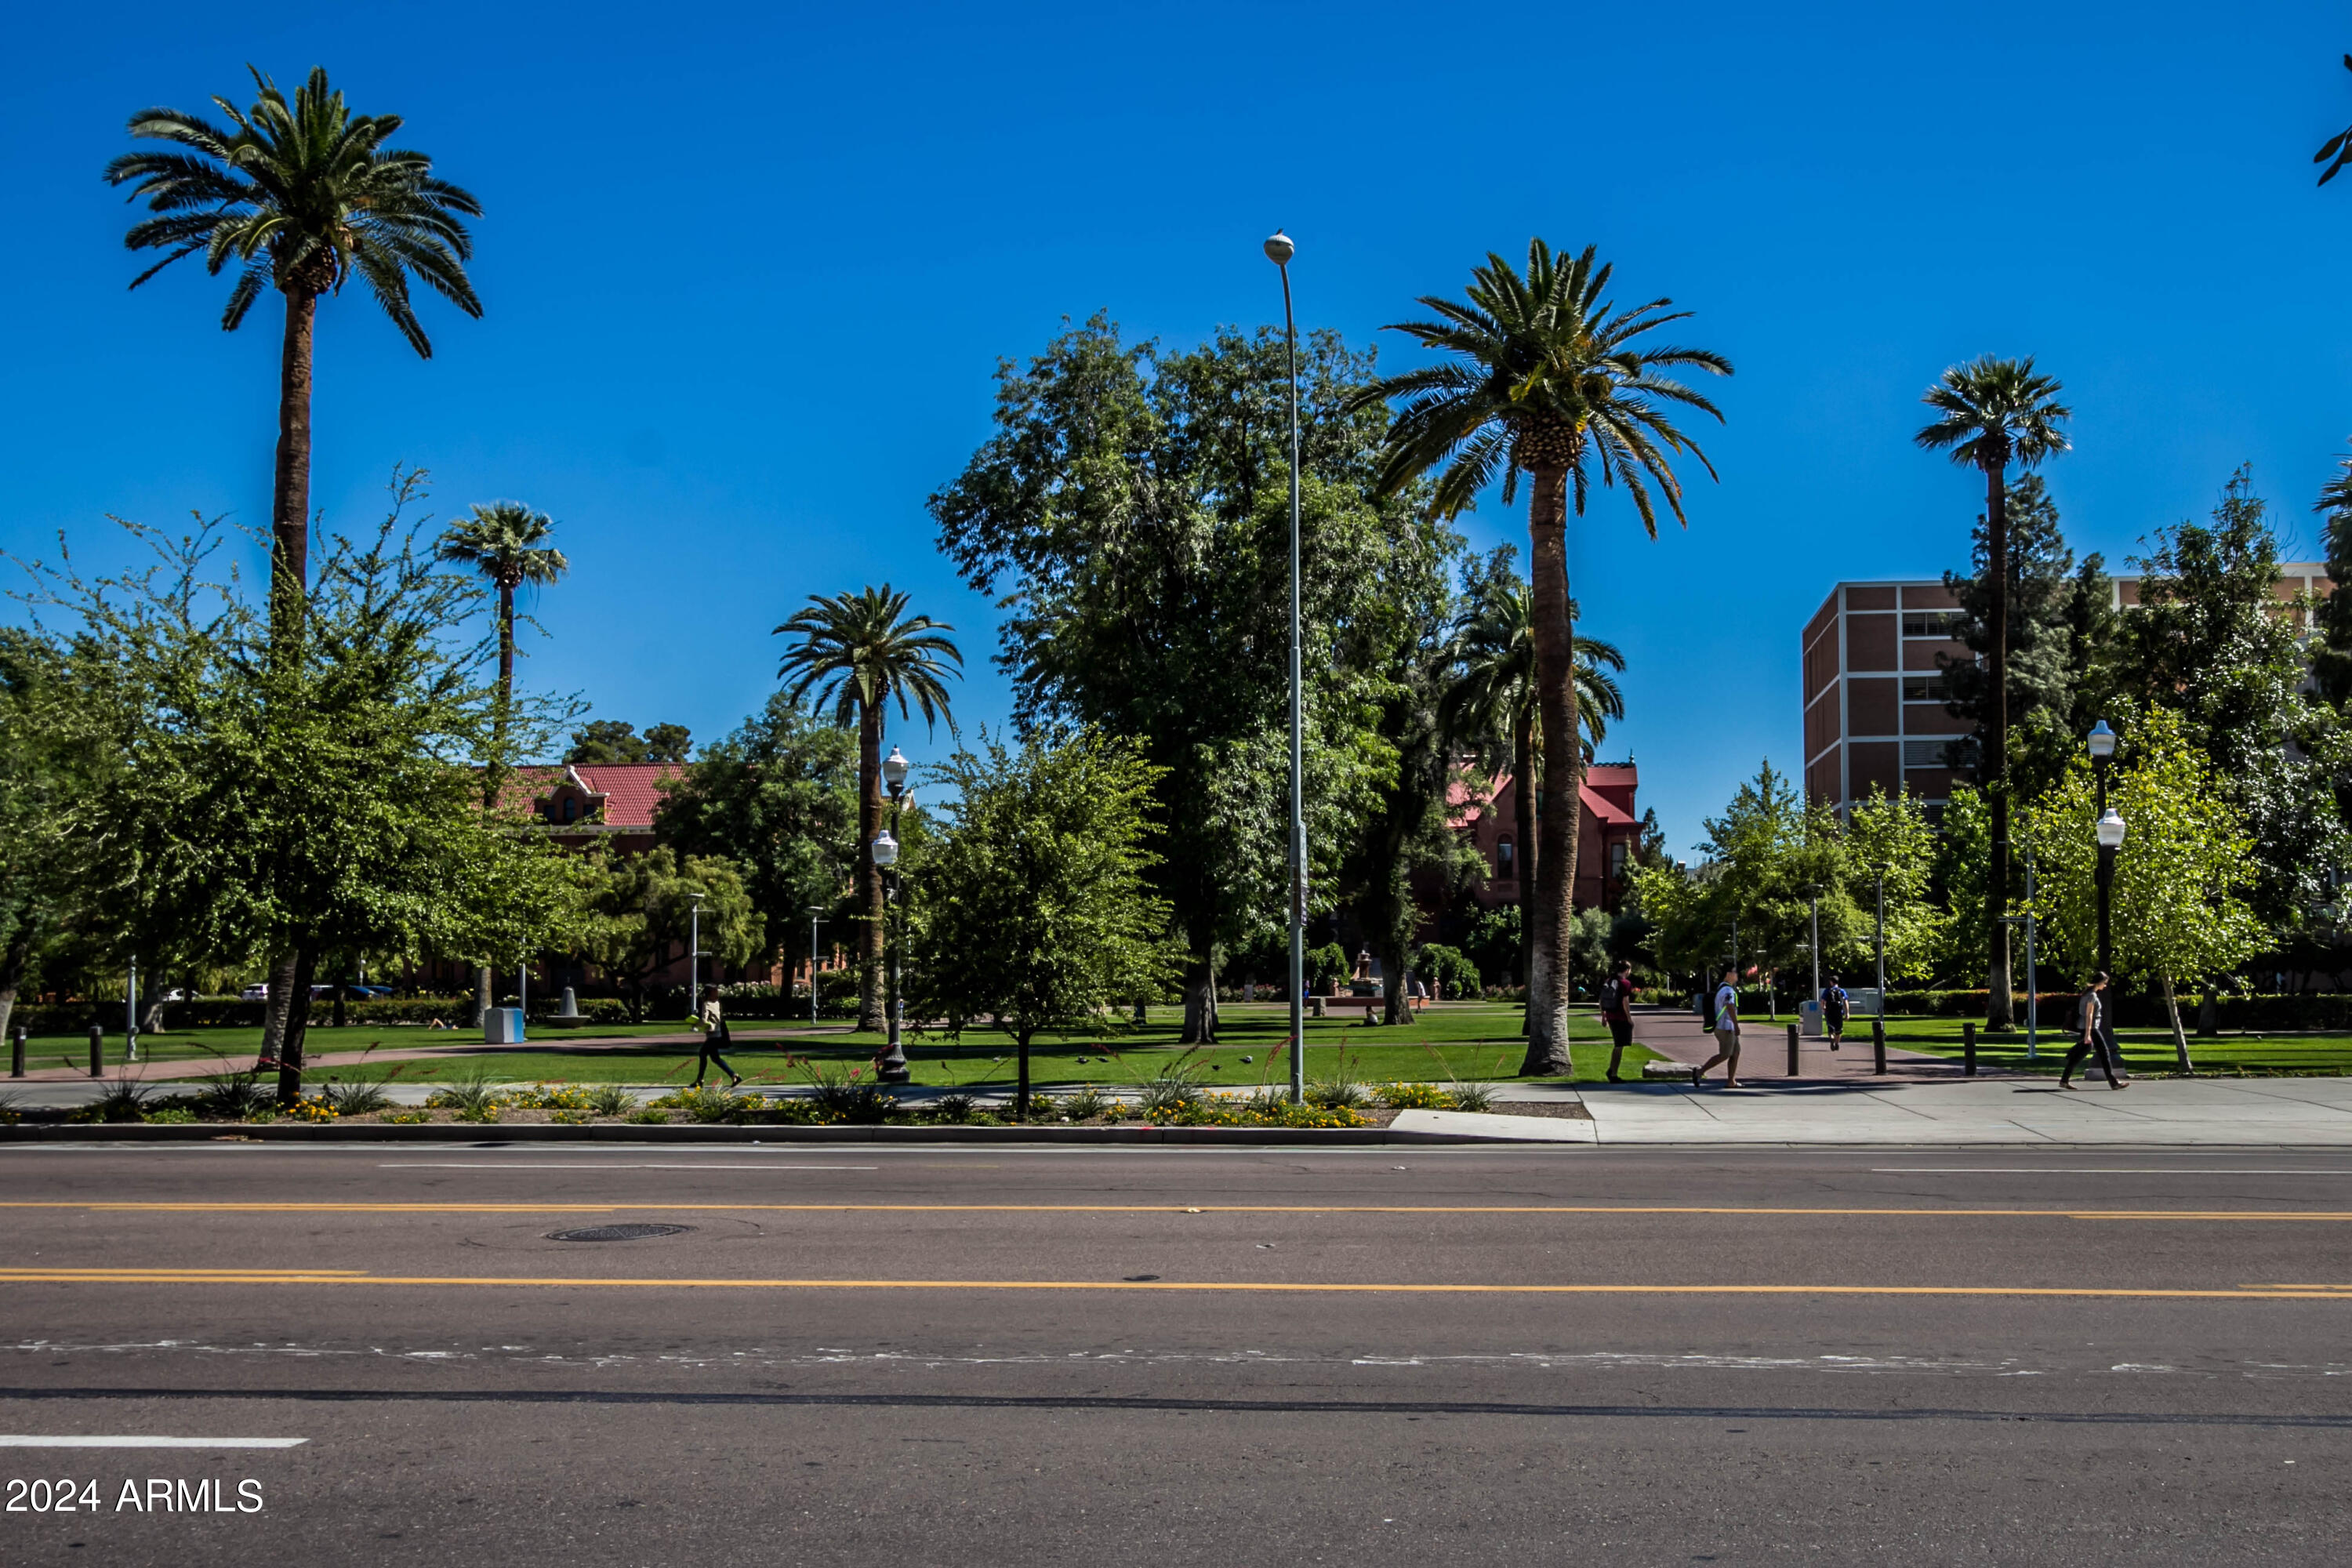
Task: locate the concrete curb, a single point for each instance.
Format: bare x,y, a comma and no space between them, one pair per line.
552,1133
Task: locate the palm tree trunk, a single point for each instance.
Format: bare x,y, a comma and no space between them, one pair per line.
869,880
1523,822
289,505
493,776
2000,1013
1563,776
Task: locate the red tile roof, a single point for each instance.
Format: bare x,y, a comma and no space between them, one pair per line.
631,791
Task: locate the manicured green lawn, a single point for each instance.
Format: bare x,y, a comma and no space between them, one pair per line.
2144,1050
1462,1040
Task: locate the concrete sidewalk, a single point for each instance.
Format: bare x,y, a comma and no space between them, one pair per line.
2275,1112
1677,1034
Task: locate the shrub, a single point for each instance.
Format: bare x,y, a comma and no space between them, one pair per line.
650,1117
848,1095
475,1098
958,1107
407,1118
168,1116
124,1099
712,1103
1087,1102
1448,972
1340,1091
611,1099
1472,1096
1413,1097
1173,1090
356,1099
232,1095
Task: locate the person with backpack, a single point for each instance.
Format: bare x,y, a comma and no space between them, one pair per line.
1617,1012
1727,1033
711,1021
2091,1036
1836,1008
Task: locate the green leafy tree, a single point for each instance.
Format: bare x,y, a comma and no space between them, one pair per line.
506,541
1131,510
778,797
40,776
2212,642
303,797
300,196
1035,908
857,652
2331,650
2177,920
640,917
1891,849
604,741
1543,375
1990,412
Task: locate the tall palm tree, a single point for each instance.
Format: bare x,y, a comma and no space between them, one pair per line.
858,651
300,196
1493,706
1992,413
1545,375
507,542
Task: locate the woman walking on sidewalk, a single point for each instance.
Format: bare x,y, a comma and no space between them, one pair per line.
712,1022
1727,1033
2091,1036
1617,1012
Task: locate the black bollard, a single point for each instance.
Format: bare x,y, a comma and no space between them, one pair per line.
1969,1046
1792,1051
97,1051
1878,1044
16,1051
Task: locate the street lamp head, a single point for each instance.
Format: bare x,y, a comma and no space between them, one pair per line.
2111,830
886,849
1278,249
894,770
2102,740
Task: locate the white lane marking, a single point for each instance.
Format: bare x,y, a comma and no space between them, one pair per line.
2090,1171
695,1166
7,1441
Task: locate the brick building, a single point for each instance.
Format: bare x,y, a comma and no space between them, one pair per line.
1608,830
1873,687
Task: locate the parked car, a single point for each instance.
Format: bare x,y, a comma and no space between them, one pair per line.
254,994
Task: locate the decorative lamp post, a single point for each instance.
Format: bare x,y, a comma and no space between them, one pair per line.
2111,838
2101,743
1279,250
891,1066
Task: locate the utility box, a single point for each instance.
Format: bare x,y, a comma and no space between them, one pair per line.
1808,1020
502,1027
1865,1002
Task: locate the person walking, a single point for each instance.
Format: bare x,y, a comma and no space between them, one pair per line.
712,1023
1617,1012
1836,1007
1727,1033
2091,1036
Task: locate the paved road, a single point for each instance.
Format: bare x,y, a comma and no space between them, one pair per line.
1449,1355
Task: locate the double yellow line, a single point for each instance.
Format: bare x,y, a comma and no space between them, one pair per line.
2323,1216
61,1275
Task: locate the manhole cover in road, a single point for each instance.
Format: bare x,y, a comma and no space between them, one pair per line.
618,1232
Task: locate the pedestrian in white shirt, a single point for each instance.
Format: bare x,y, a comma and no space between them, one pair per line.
1727,1033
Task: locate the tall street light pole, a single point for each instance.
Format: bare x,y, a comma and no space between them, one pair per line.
1279,250
814,910
694,959
891,1066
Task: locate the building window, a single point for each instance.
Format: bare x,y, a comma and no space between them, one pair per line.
1617,858
570,807
1931,622
1927,753
1507,860
1926,688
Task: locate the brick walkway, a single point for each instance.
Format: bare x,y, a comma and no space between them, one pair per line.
1764,1051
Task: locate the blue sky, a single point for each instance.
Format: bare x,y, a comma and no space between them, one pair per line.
747,272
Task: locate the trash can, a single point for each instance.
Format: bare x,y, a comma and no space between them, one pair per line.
1808,1020
502,1027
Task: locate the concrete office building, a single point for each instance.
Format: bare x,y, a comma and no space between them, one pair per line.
1873,690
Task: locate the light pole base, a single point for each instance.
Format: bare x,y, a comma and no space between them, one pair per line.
892,1067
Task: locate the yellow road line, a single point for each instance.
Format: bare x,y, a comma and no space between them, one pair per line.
2335,1216
291,1277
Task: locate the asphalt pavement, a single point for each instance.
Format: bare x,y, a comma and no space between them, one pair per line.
1455,1354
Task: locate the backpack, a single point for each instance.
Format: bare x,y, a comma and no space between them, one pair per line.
1613,995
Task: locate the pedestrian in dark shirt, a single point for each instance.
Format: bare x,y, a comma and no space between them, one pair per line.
712,1022
1617,1012
1836,1007
2091,1036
